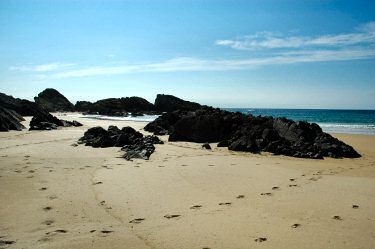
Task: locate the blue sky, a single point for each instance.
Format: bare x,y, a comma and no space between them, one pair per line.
272,54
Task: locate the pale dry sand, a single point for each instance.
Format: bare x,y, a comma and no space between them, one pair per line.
55,195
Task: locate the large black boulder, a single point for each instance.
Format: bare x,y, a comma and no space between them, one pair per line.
168,103
241,132
131,141
53,101
10,120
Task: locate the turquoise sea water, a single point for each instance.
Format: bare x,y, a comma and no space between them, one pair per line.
331,121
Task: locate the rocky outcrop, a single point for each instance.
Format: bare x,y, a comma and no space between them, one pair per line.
241,132
10,120
42,119
83,106
21,106
131,141
168,103
116,106
50,122
53,101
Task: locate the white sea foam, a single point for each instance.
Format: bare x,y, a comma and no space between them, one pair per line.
368,129
145,118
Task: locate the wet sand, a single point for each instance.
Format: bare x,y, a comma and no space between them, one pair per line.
55,194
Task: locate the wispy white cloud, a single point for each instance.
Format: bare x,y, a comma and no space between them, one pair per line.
268,40
275,49
196,64
42,68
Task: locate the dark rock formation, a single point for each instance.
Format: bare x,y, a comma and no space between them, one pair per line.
206,146
168,103
53,101
163,124
116,106
83,106
131,141
241,132
42,119
49,122
10,120
21,106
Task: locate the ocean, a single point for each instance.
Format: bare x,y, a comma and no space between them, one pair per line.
331,121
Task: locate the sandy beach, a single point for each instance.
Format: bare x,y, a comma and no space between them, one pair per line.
55,194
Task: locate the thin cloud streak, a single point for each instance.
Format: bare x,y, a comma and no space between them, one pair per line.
269,40
196,64
42,68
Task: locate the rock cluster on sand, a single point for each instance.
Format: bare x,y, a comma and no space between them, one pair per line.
42,119
50,122
10,120
53,101
21,106
241,132
132,142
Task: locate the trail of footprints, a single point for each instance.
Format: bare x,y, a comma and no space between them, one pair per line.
292,181
49,222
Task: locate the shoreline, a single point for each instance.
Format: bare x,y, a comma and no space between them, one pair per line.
63,196
327,127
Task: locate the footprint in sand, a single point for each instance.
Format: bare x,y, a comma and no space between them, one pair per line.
293,185
240,197
292,179
355,206
57,231
196,207
225,203
96,183
261,239
268,194
6,242
48,222
275,188
336,217
52,197
43,189
106,231
296,225
170,216
47,208
137,220
92,231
